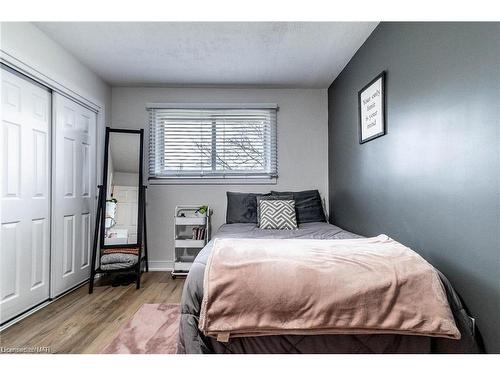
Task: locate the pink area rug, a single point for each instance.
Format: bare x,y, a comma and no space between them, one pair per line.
152,330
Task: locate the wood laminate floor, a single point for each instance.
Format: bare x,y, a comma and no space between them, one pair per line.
83,323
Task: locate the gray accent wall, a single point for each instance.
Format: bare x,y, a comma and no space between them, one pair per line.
433,182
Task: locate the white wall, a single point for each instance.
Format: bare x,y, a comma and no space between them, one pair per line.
110,177
126,179
302,152
30,45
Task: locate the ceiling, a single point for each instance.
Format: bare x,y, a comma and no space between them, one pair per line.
264,54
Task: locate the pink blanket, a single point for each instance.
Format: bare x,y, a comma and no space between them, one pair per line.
255,287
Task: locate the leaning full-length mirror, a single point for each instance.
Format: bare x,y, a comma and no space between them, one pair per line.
123,179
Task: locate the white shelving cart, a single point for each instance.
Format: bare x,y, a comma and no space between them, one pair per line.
191,233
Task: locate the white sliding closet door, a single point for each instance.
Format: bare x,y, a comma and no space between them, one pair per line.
74,190
25,195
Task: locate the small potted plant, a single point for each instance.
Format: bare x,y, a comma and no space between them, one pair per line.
202,211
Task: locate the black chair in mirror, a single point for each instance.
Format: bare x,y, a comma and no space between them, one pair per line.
120,241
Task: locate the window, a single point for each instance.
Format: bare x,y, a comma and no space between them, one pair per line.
229,142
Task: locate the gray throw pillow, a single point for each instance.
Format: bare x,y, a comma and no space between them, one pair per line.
241,207
308,205
277,214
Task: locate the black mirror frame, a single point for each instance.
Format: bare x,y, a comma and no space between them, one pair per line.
140,209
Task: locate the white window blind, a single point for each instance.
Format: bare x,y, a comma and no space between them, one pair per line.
212,142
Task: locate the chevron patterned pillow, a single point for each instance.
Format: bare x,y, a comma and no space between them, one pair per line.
277,214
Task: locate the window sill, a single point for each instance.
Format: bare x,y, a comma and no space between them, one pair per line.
214,181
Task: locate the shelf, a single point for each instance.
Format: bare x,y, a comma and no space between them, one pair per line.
185,258
190,220
182,266
185,228
190,243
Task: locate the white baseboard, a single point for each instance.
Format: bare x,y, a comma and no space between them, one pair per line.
165,265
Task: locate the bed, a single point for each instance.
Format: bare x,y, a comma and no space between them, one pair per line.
191,340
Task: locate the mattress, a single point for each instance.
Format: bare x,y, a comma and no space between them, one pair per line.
191,340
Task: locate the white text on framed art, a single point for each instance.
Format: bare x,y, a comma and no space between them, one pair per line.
371,107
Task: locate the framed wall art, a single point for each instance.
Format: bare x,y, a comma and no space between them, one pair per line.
371,107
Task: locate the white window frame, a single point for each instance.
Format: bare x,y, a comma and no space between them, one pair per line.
219,180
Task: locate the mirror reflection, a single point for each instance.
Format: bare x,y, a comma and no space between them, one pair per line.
122,189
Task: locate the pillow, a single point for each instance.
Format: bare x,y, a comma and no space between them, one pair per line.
242,207
270,198
277,214
307,204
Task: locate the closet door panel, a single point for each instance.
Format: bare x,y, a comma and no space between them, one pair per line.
74,193
11,238
25,198
86,240
39,251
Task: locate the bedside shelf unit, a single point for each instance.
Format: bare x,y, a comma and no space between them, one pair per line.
191,233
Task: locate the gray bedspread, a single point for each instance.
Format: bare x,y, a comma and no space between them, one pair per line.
191,340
